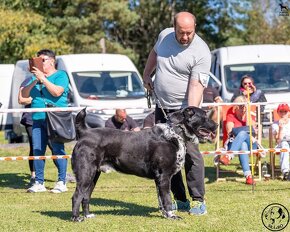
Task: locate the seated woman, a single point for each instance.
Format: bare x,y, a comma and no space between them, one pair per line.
237,117
281,133
256,95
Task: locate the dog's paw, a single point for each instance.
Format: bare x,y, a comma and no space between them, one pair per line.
170,215
175,217
77,219
91,215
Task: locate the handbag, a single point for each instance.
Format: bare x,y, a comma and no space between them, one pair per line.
60,126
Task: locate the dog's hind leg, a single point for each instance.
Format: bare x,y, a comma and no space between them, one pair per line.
159,198
86,180
87,197
163,185
76,202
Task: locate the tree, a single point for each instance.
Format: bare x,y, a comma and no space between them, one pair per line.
23,34
262,24
77,25
157,15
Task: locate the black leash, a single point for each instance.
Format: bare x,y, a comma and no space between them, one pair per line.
148,97
159,104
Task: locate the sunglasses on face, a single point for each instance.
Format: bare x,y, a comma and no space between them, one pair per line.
45,59
283,111
247,83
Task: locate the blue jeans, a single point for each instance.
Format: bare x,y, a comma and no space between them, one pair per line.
40,142
284,157
242,142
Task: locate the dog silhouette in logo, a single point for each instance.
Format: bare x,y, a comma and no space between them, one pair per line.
275,214
283,7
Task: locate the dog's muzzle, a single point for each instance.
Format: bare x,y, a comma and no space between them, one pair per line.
204,135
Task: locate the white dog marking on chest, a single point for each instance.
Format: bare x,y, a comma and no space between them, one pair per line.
169,133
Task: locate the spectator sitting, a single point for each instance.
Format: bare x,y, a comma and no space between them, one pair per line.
149,120
237,117
247,84
281,133
211,95
122,121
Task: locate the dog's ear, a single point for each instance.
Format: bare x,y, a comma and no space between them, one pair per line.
192,110
176,117
210,113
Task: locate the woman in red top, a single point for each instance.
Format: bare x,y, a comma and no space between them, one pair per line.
237,117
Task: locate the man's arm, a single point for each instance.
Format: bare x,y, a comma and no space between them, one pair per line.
149,68
133,126
195,92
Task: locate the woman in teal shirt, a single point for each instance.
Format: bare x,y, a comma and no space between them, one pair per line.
48,87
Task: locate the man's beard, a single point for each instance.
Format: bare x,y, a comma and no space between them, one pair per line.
183,44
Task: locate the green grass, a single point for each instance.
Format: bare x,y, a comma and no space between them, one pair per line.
129,203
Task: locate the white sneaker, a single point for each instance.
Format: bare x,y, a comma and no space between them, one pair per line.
59,187
36,188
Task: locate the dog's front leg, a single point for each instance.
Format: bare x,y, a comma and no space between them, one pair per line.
163,191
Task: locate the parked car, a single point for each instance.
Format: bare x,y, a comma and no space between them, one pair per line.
102,81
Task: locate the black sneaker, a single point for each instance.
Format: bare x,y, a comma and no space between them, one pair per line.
286,176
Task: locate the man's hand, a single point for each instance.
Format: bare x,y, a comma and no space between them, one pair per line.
148,83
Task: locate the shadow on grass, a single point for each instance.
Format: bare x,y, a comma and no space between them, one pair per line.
117,208
123,208
211,175
16,180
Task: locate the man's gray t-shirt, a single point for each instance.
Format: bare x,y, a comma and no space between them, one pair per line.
176,65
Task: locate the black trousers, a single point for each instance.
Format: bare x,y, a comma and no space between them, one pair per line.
28,129
194,168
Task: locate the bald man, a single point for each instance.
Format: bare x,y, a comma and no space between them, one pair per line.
182,62
122,121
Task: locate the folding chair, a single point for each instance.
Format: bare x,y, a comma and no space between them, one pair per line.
233,169
275,169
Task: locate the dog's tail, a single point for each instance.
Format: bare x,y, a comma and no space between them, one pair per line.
81,123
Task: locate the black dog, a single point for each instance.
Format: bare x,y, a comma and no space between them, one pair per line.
156,153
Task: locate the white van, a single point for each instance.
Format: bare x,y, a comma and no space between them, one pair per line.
269,65
102,81
6,72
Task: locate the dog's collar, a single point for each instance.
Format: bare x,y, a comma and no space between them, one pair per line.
170,132
181,129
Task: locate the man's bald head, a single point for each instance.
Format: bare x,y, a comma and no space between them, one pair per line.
120,115
184,26
184,16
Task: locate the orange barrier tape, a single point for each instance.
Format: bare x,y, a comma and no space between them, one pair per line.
224,152
217,152
53,157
